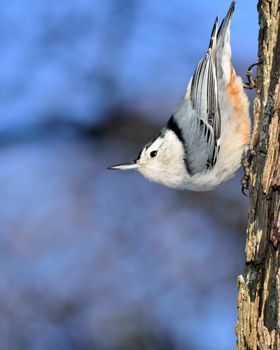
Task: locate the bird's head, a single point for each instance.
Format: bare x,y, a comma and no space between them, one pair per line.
161,160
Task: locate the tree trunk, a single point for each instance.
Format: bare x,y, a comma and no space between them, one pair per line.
258,325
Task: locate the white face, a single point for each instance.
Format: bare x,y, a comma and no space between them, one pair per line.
163,161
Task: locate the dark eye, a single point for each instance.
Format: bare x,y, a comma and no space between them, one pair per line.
153,154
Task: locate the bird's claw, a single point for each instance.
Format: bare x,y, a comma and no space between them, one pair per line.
246,162
251,84
245,185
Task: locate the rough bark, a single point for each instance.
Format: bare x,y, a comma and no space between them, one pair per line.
258,325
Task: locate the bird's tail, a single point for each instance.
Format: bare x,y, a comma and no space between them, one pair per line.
213,38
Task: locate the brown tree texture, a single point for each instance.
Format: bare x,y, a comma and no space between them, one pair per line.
258,325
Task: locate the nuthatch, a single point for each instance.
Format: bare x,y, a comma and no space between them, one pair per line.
203,142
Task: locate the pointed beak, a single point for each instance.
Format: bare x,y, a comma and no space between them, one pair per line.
125,166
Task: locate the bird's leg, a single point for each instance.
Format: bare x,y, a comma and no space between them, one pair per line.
246,162
251,84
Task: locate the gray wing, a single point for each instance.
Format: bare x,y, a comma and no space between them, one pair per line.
198,114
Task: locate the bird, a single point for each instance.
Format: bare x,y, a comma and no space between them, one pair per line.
203,142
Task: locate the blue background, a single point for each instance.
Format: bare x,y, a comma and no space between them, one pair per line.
92,259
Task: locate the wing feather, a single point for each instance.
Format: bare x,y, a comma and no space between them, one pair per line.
204,97
198,114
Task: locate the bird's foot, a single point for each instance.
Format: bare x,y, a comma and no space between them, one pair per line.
251,84
246,162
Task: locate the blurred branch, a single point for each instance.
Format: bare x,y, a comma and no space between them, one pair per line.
117,124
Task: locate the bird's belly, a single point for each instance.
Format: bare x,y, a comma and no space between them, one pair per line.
221,172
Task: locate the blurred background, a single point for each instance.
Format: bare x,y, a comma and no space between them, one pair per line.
93,259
